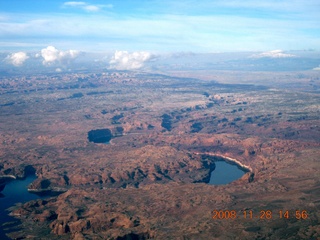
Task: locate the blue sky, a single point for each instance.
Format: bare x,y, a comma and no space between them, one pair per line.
160,26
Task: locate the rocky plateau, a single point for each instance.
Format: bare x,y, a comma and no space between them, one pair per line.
165,134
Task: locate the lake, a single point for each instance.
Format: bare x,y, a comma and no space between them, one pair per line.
225,173
14,192
100,136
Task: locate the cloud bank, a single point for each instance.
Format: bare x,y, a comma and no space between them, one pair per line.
51,55
123,60
17,59
272,54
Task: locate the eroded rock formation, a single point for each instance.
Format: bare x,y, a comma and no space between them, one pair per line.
149,182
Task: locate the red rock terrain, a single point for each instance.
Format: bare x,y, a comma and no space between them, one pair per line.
150,181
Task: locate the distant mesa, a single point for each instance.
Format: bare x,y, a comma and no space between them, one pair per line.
100,135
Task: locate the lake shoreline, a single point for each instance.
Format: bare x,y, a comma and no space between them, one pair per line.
228,159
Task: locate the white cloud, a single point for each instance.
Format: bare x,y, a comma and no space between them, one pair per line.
87,7
92,8
17,59
123,60
272,54
316,68
51,55
74,4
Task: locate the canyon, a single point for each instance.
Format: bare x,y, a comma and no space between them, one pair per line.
164,133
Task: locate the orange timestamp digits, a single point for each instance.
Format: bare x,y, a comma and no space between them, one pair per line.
224,214
262,214
268,214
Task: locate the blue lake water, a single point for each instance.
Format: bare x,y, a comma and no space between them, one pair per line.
225,173
14,192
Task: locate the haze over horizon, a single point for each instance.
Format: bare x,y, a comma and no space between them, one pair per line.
160,26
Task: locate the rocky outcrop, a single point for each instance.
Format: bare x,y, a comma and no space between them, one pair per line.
45,186
146,165
19,171
142,184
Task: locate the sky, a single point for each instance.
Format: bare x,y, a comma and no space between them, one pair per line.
159,26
